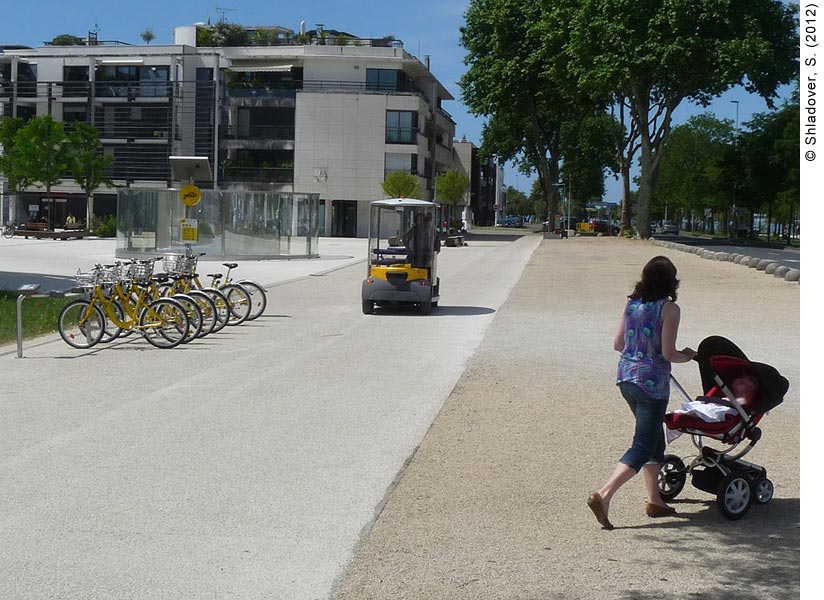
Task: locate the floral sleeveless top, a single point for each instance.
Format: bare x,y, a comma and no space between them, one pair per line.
642,362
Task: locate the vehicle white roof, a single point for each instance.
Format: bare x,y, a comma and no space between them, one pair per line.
402,202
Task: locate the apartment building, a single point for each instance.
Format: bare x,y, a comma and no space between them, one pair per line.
321,113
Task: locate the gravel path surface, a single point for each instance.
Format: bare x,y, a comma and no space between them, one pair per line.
492,504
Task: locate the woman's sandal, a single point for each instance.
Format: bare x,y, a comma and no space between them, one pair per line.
656,510
596,505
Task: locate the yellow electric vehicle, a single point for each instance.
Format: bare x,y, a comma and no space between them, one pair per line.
403,255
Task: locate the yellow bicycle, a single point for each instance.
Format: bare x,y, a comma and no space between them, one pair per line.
163,322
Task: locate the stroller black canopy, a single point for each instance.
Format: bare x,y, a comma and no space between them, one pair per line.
772,385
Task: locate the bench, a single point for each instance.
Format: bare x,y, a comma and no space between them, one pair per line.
47,234
74,226
455,240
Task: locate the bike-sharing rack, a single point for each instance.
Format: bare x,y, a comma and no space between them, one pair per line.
29,290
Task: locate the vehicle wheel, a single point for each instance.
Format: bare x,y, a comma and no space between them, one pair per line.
221,307
239,303
764,491
368,307
81,325
164,323
671,477
208,311
194,314
257,295
735,496
426,307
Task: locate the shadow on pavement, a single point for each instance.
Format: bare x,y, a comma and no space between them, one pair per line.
438,311
13,281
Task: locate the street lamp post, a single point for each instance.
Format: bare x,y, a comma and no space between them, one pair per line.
734,233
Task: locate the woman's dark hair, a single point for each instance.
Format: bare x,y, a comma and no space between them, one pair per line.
658,281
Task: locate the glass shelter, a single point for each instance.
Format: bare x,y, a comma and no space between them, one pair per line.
235,225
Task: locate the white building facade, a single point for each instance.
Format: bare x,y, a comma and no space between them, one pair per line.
330,115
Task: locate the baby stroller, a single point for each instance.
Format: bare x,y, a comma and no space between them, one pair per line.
747,390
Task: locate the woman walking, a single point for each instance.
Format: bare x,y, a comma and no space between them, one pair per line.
646,340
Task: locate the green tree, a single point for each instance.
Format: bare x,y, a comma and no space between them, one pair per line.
88,163
691,172
588,151
451,188
770,153
147,35
66,39
10,165
658,53
230,34
518,79
44,154
518,203
400,184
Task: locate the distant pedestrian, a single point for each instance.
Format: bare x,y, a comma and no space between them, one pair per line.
646,340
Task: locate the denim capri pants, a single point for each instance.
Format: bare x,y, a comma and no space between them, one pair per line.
648,443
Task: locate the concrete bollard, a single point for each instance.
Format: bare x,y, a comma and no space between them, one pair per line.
743,260
793,275
781,271
762,264
724,256
770,269
753,263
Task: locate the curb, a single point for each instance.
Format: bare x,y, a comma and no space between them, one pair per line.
769,267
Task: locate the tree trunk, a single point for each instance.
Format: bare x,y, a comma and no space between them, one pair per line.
13,208
626,206
89,208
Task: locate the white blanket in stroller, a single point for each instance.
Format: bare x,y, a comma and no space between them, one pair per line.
706,411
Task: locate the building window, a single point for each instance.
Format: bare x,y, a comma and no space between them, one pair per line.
384,80
401,162
401,127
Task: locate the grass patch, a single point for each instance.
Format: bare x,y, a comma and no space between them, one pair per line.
39,316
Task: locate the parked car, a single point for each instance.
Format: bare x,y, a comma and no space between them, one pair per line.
572,222
510,221
669,227
603,226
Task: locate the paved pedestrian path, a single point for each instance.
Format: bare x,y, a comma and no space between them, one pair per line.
492,505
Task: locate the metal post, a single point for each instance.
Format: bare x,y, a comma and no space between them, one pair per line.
26,290
734,234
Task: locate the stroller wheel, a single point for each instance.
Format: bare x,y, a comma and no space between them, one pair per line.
735,496
764,491
671,477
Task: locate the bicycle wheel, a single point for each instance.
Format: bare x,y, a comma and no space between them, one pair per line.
8,231
164,323
208,312
221,307
194,314
257,294
240,303
81,324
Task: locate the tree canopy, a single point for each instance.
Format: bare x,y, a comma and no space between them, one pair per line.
539,70
657,54
451,187
400,184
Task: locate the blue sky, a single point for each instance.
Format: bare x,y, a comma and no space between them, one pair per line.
425,27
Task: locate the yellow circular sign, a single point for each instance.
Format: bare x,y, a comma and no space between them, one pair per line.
190,195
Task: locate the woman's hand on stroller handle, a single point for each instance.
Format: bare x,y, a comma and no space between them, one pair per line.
690,352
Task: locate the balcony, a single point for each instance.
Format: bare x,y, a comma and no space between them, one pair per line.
128,90
257,175
132,90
